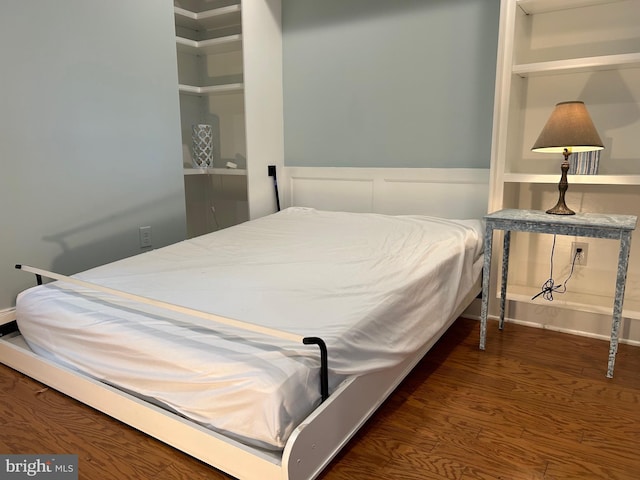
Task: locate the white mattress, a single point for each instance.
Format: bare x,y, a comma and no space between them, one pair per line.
375,288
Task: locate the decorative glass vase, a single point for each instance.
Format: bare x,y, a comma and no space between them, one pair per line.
202,143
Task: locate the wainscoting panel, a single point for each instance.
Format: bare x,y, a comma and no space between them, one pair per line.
335,194
442,192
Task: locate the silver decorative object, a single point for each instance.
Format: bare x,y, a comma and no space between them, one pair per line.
202,142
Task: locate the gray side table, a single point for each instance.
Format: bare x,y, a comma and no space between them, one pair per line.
597,225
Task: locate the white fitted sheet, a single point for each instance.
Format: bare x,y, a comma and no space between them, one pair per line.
375,288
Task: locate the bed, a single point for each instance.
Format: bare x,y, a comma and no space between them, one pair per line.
259,349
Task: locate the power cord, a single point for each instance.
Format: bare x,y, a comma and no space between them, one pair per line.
215,217
549,287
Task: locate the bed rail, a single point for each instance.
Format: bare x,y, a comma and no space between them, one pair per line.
324,370
7,328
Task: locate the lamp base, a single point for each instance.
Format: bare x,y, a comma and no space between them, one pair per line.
561,207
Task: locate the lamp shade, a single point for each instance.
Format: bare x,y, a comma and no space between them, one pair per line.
569,127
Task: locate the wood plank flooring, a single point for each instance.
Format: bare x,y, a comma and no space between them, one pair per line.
534,405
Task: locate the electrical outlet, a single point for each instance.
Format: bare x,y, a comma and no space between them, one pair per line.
145,236
579,251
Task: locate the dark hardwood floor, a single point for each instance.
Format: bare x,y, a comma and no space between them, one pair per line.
534,405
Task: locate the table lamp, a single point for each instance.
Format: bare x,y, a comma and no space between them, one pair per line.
568,130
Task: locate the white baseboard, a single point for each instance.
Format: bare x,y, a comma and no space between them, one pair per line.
553,328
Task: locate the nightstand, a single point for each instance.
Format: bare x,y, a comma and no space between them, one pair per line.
596,225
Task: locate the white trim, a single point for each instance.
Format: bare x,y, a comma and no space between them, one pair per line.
441,192
7,315
578,65
573,179
544,6
208,19
227,89
555,328
214,171
263,100
212,46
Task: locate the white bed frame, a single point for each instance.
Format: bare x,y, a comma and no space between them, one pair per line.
317,440
309,449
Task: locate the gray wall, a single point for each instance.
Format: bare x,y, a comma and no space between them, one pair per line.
389,83
89,134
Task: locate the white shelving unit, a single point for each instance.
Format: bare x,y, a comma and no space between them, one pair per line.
211,85
552,51
222,47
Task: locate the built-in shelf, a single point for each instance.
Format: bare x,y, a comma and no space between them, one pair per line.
212,46
208,19
211,86
212,90
543,6
215,171
574,301
551,51
573,179
577,65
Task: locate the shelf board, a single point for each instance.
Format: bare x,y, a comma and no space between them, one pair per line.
230,43
208,19
215,171
574,301
544,6
573,179
227,89
577,65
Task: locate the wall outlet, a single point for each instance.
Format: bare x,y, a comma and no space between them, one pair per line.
579,251
145,236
